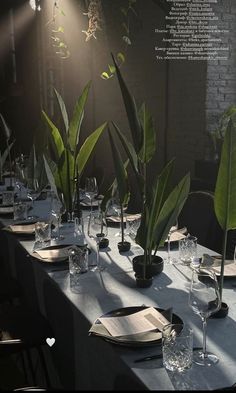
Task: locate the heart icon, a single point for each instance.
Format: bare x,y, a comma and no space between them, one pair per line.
50,341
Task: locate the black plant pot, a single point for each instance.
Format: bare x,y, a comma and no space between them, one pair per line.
155,268
143,282
222,313
104,243
123,247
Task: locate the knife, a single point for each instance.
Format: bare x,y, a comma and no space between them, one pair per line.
146,358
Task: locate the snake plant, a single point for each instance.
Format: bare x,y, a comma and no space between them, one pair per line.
68,158
161,203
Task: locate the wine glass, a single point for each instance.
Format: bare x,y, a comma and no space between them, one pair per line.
34,191
173,229
57,209
97,230
91,189
204,299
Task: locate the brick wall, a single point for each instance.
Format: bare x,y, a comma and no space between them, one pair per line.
221,74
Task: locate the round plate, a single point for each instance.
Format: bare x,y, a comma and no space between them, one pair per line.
124,311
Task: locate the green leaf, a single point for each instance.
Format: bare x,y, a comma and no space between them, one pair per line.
56,139
121,174
5,154
120,57
62,12
112,69
88,147
63,112
134,11
126,39
149,136
5,128
153,207
59,30
62,45
128,147
55,39
225,191
125,27
171,210
131,111
50,175
66,169
77,118
124,11
105,75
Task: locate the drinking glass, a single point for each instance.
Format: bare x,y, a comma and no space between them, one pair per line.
97,230
173,229
91,189
188,249
78,264
42,234
204,299
177,347
114,208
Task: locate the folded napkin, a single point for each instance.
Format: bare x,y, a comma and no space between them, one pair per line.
127,217
52,255
6,209
214,263
178,234
99,329
29,228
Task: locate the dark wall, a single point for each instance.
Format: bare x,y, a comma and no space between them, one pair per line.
19,101
173,91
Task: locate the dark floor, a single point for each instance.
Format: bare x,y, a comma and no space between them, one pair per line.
11,376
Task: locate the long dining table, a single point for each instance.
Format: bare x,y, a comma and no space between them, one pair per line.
81,361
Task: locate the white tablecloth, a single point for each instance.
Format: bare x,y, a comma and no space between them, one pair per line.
83,362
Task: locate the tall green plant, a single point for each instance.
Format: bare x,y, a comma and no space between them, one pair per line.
70,157
121,180
225,190
161,202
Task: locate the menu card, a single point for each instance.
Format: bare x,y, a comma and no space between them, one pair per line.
142,321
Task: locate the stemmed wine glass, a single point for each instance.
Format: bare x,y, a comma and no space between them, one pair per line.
97,230
204,299
173,229
91,189
57,209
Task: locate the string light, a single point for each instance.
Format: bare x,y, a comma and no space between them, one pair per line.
35,5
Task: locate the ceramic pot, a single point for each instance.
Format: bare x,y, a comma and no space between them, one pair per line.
155,268
222,313
123,247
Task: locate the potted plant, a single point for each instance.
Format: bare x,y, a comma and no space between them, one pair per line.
161,203
225,195
122,188
66,162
